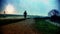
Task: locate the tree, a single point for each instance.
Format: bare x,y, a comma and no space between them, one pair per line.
54,14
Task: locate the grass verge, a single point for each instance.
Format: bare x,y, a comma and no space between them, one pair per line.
47,28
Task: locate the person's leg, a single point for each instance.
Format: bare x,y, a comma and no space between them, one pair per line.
24,17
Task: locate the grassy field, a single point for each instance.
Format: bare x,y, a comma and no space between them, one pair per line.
47,28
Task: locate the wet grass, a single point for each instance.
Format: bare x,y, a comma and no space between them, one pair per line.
47,28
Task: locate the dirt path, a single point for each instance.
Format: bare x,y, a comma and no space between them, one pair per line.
22,27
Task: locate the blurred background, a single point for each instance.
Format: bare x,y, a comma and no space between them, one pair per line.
33,7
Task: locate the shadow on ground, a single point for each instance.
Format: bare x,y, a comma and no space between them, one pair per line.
9,21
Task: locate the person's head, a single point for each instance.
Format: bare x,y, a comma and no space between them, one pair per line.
25,10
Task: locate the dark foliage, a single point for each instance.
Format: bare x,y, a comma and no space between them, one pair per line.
55,18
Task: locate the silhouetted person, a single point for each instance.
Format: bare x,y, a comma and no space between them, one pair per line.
25,14
4,12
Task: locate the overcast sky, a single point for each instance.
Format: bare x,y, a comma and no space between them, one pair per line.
33,7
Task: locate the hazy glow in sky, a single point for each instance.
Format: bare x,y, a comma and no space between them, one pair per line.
34,7
9,9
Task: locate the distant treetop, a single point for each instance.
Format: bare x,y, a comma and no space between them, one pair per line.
53,12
